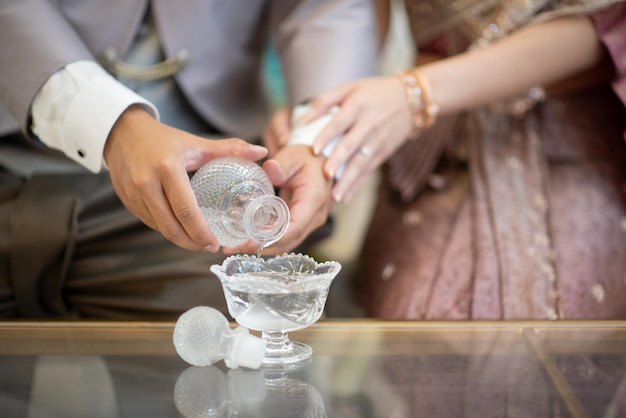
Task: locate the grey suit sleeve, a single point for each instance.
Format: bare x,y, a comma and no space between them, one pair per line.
323,43
36,42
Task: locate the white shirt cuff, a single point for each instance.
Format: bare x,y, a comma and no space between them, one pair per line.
76,109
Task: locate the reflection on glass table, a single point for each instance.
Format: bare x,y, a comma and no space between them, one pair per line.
359,369
592,368
209,392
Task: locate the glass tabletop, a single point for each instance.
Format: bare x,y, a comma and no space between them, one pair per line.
358,369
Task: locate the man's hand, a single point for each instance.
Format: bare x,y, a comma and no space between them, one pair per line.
149,164
306,190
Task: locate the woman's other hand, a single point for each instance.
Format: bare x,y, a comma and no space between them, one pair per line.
375,120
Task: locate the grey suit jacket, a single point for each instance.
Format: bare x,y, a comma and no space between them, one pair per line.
321,43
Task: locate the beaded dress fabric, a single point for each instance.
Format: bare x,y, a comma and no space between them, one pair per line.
516,210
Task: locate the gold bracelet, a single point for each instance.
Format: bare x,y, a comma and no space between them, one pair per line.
419,94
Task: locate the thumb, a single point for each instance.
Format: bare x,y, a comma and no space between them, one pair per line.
275,172
277,131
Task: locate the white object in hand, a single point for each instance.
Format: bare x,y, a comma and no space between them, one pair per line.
305,133
203,336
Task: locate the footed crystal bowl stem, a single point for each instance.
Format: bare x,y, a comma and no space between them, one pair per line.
281,350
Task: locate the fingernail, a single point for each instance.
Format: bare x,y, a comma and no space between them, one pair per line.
211,248
258,147
337,197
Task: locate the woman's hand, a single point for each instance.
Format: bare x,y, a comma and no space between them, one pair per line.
375,120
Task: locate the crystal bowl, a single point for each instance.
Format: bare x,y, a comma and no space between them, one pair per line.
275,296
